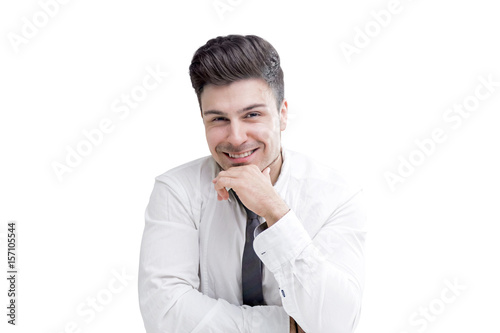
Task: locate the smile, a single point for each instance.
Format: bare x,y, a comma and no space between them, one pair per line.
242,155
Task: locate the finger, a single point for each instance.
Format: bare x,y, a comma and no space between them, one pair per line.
223,174
222,194
223,182
219,186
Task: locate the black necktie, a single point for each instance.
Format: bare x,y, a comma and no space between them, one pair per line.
251,266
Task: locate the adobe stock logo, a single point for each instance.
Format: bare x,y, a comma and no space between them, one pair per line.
223,6
431,312
122,106
454,117
380,20
88,310
39,20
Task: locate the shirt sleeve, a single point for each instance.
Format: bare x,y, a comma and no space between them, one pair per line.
169,296
320,277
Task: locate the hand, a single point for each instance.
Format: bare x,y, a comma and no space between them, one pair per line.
255,190
293,328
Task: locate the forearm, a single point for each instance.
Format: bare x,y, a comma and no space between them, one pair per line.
320,297
320,278
195,312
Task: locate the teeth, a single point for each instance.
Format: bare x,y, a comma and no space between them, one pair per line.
241,155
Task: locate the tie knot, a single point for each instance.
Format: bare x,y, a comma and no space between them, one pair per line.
251,215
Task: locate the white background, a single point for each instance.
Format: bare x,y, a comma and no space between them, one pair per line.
439,224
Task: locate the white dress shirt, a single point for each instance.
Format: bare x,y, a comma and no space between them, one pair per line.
192,247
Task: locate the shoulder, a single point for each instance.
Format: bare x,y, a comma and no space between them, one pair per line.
313,176
182,190
190,175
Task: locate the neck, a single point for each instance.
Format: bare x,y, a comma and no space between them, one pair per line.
276,168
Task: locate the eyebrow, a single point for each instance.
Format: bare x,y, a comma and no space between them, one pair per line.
248,108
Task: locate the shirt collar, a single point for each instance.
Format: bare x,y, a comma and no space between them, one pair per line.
281,182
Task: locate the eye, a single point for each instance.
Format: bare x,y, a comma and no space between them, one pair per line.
217,119
252,115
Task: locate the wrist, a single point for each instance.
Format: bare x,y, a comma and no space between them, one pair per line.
277,211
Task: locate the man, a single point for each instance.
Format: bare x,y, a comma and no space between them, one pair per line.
208,263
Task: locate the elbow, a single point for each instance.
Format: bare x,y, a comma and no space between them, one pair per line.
343,317
338,306
157,302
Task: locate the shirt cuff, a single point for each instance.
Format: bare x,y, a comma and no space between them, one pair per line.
282,242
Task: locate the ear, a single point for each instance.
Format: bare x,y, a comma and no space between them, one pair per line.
283,115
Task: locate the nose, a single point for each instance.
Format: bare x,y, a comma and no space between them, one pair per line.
237,134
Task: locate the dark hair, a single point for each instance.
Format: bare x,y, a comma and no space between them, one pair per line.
223,60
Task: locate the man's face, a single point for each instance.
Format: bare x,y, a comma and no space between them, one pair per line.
243,125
